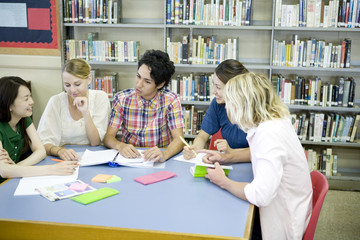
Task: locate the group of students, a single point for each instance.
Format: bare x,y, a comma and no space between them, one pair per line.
254,124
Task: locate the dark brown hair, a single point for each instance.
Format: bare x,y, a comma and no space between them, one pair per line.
228,69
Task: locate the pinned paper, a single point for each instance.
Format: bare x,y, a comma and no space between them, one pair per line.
101,178
78,187
114,178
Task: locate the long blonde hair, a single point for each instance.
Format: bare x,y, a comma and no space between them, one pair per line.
250,100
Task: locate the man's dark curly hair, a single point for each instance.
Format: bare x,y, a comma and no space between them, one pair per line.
161,68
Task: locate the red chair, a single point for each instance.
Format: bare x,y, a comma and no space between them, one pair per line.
320,188
213,138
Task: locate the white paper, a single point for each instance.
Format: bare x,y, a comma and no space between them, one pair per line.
13,15
27,185
196,160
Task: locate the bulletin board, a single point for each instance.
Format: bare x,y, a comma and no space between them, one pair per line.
29,27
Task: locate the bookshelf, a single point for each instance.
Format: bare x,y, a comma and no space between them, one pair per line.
255,50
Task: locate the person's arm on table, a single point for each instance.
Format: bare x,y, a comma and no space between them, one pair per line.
240,155
174,147
199,143
126,150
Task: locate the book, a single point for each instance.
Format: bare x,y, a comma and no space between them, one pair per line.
199,169
64,190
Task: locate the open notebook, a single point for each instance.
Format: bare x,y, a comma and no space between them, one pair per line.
112,156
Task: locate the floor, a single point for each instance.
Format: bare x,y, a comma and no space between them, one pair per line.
339,216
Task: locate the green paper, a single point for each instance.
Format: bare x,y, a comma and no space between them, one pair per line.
95,195
200,171
114,179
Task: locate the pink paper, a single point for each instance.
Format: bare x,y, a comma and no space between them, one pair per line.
78,187
155,177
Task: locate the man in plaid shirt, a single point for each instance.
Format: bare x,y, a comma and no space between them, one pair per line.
148,115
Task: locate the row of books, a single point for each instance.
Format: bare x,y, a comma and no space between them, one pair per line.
324,161
320,127
313,92
107,83
202,50
312,53
92,11
191,87
192,120
102,51
314,13
213,13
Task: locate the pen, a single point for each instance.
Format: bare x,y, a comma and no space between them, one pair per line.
115,157
113,163
59,160
183,140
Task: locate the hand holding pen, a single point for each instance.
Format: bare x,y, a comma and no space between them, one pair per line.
188,152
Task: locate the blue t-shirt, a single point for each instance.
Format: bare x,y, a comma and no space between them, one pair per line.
216,118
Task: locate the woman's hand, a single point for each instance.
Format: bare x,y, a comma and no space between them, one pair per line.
64,168
212,156
188,153
68,155
222,145
5,158
81,104
217,175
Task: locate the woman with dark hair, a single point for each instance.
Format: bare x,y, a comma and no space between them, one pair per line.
234,139
20,145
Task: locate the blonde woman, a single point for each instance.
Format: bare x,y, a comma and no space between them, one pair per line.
282,186
76,116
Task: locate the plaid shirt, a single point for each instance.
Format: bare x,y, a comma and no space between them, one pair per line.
146,123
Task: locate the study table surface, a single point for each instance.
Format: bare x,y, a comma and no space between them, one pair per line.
182,207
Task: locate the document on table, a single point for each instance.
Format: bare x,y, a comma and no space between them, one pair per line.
105,156
196,160
27,185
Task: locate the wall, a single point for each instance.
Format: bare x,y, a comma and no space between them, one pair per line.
44,72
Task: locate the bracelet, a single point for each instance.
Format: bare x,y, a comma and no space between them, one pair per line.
57,152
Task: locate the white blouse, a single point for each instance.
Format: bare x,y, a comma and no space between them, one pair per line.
282,186
57,127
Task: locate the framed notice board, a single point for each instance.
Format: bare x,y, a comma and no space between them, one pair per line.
29,27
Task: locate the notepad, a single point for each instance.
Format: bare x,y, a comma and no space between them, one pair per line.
199,170
155,177
95,195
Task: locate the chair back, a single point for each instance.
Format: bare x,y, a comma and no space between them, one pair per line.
213,138
320,188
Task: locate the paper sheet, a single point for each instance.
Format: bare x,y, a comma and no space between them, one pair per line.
196,160
27,185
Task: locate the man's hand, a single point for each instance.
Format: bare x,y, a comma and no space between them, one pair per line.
154,154
188,152
129,151
68,155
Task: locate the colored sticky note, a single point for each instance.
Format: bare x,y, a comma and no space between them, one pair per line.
101,178
78,187
94,196
114,179
200,170
155,177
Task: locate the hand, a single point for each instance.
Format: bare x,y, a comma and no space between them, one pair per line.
64,168
81,104
154,154
5,158
188,153
212,156
222,145
217,175
68,155
129,151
